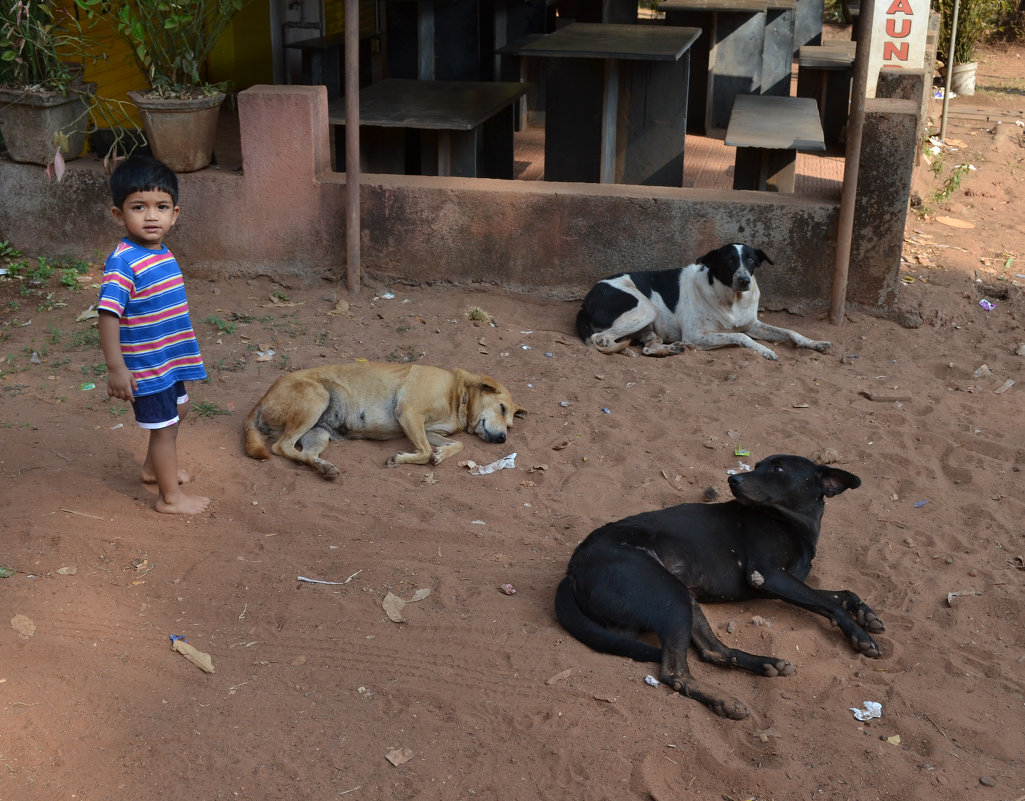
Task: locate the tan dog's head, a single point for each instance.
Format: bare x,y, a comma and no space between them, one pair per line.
490,408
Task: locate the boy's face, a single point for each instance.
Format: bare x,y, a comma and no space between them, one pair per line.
148,216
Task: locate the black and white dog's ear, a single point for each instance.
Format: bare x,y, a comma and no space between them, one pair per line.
762,257
709,259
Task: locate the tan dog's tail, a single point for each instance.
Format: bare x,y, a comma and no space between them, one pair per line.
256,445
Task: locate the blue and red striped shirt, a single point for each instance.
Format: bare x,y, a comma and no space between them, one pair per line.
145,289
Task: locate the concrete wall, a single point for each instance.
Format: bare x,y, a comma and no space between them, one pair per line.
284,216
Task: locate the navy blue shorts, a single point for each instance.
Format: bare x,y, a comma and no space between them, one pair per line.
161,409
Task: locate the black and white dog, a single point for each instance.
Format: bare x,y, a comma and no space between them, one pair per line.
708,304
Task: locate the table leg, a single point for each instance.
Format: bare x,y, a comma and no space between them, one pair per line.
609,121
767,169
425,39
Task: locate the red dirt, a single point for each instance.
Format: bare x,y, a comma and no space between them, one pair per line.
314,686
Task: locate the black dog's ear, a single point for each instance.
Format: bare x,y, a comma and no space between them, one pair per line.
835,480
762,257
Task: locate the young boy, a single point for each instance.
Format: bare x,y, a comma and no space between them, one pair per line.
145,332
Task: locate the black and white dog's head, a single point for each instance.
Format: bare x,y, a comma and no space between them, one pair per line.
733,265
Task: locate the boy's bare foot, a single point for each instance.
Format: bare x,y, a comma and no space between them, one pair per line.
149,477
182,505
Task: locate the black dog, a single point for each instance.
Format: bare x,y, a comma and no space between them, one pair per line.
709,304
647,573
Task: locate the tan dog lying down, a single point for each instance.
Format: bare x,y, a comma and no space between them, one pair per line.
373,400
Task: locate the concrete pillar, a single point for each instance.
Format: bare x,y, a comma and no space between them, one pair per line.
914,85
889,144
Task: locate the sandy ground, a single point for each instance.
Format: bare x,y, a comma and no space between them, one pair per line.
317,693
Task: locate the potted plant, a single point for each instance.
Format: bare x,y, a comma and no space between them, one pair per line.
974,18
171,42
44,106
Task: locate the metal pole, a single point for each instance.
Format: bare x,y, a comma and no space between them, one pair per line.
949,70
852,163
352,178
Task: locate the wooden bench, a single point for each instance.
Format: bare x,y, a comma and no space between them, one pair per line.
824,72
767,131
459,128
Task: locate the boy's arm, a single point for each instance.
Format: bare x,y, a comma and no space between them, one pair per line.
120,382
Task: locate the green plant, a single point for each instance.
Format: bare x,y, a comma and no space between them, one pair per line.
208,409
170,39
35,39
43,49
952,182
408,355
975,19
86,339
8,251
223,326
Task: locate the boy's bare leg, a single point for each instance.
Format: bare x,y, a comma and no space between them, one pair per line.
149,475
162,456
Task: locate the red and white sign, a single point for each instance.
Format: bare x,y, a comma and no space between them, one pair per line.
899,30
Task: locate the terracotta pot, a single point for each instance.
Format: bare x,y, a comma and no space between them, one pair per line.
181,133
28,121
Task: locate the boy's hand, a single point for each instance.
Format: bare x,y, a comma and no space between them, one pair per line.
121,384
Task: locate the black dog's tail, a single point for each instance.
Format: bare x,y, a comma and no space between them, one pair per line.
593,634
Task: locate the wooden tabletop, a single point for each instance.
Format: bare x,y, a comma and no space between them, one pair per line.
743,6
439,105
775,123
328,42
599,40
837,55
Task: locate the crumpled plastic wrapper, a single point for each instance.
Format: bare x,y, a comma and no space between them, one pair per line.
506,462
870,709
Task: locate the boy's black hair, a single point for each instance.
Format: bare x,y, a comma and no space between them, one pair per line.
142,174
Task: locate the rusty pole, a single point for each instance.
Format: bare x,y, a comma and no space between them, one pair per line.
852,163
352,178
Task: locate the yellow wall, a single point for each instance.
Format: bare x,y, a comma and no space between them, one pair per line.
116,74
243,55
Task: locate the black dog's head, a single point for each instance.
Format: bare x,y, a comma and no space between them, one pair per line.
791,483
733,265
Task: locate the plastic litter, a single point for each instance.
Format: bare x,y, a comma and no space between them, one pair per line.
869,710
987,305
504,463
651,681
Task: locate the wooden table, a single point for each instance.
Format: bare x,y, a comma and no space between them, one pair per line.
726,61
322,61
768,131
462,128
616,106
825,73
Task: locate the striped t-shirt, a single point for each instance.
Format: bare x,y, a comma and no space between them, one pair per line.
145,289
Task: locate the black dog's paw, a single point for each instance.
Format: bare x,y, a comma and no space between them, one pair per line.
861,613
734,710
778,668
866,647
870,621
